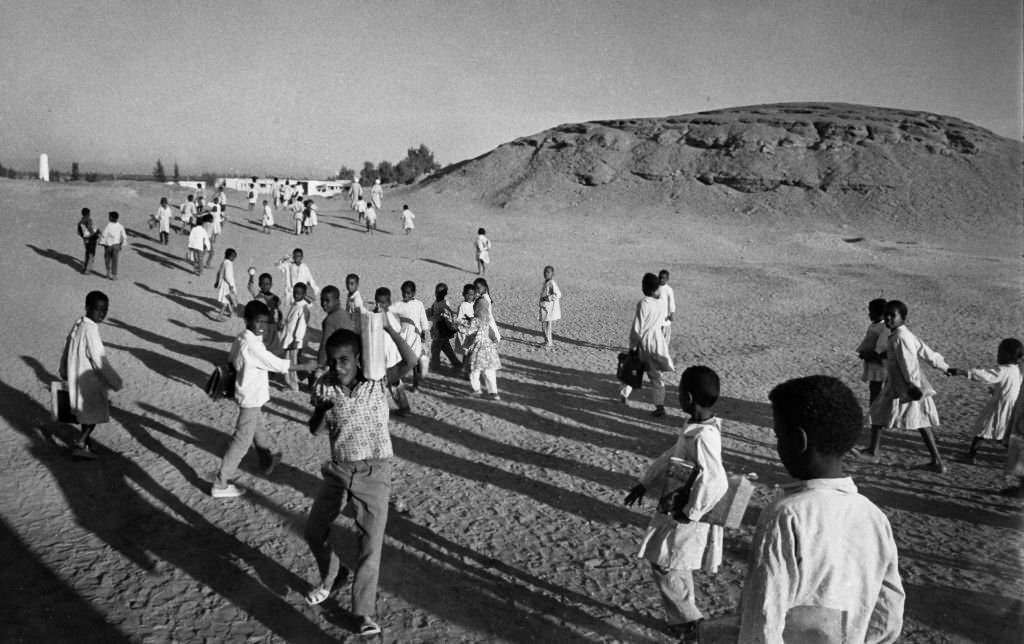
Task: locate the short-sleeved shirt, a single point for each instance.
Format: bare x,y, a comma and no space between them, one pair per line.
358,422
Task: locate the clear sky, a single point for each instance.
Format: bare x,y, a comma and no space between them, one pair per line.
306,86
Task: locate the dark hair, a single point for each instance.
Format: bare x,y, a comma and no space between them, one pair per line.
86,212
254,309
301,285
824,408
330,289
440,290
299,251
95,297
382,291
405,206
229,253
1010,351
663,272
897,306
352,276
876,306
649,284
344,337
409,284
481,231
266,275
190,197
113,215
466,288
549,266
702,383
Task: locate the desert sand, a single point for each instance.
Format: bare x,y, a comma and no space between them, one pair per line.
517,532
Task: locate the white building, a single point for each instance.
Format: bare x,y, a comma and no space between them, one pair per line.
44,167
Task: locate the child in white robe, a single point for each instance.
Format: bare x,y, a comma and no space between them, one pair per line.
1004,383
871,349
407,219
293,336
227,293
268,217
647,339
550,306
412,315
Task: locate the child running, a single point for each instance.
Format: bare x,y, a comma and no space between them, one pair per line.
484,359
268,218
550,306
1004,383
647,339
676,539
822,552
871,349
354,411
442,328
407,219
227,293
85,368
906,400
483,251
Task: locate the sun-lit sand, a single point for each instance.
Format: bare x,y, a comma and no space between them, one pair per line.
517,531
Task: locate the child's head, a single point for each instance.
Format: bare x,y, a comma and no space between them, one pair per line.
163,201
343,355
86,212
382,298
469,292
663,277
330,298
481,231
1011,351
481,286
298,292
876,309
191,198
265,202
440,291
297,255
817,420
230,254
895,314
113,216
549,272
650,284
257,317
266,282
698,388
408,290
351,283
96,305
405,206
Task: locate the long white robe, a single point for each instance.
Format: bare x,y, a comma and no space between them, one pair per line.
89,376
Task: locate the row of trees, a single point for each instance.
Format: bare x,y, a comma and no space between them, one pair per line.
417,162
160,175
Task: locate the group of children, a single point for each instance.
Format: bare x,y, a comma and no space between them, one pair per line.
112,238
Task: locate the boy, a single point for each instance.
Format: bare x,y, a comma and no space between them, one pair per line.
354,411
89,376
295,271
353,302
675,547
668,300
412,316
872,349
188,214
335,317
89,236
822,548
392,354
293,338
252,362
252,197
112,239
360,207
407,219
270,300
268,217
163,221
198,245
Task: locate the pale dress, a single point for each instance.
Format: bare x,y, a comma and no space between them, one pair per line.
89,376
484,354
483,249
226,281
1004,383
268,216
550,298
893,408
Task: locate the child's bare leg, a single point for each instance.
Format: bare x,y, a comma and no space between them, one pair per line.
972,453
548,333
876,441
933,448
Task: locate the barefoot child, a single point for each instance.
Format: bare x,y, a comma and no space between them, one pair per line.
163,221
484,359
353,302
296,323
822,549
412,316
89,375
676,539
550,305
371,218
871,349
647,339
906,400
354,412
392,354
198,245
227,294
268,218
1004,383
668,300
407,219
442,328
112,239
483,251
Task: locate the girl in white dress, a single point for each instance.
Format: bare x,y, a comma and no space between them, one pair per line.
227,294
483,251
1004,382
550,307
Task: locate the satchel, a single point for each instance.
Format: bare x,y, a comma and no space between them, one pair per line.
60,403
221,383
631,369
674,496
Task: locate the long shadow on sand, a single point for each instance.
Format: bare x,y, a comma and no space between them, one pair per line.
438,262
147,253
559,338
204,305
970,614
57,256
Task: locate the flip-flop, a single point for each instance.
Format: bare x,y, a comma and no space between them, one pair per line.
320,594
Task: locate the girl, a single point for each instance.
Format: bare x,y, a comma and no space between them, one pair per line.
163,221
442,328
371,218
293,336
550,309
464,319
227,294
412,316
1004,383
483,359
268,217
647,339
483,251
906,400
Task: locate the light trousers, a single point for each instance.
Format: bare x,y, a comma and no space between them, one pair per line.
490,380
657,386
677,595
249,429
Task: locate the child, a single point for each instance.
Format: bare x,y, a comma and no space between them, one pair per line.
484,359
268,217
198,244
668,300
377,194
216,220
227,294
207,221
296,207
676,547
252,362
412,316
872,349
906,398
442,328
270,300
296,323
360,206
464,319
483,251
353,302
163,221
392,352
252,197
1004,383
822,548
89,375
355,193
647,339
112,239
313,216
371,218
550,307
354,411
296,271
87,231
407,219
307,216
187,214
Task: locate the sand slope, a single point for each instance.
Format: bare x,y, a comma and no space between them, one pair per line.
517,532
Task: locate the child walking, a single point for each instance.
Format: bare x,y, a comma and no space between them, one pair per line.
442,328
483,354
647,340
268,218
85,368
227,293
676,539
163,221
871,349
354,412
1004,384
466,335
87,231
821,552
198,245
906,400
293,337
112,239
483,251
371,218
550,306
263,294
407,219
412,316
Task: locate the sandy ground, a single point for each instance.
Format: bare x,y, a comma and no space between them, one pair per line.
517,531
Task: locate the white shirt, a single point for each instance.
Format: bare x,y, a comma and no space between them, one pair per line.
198,239
825,546
668,299
253,362
113,234
412,316
295,273
295,325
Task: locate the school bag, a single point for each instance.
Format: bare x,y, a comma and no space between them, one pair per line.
221,383
630,369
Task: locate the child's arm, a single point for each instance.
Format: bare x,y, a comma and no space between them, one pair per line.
318,419
886,620
652,478
934,358
712,482
409,358
771,577
906,358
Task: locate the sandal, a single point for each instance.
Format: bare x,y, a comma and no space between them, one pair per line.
368,627
320,594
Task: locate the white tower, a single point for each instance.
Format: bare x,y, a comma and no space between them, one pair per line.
44,167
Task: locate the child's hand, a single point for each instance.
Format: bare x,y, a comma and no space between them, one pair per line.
636,495
953,371
914,392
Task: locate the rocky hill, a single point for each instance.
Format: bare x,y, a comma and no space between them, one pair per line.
853,161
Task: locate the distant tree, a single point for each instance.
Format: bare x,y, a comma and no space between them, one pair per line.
346,173
76,173
90,177
158,172
369,173
417,161
177,174
386,172
55,175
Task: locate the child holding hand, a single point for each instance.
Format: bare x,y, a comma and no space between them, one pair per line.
871,349
1004,383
